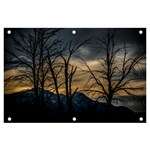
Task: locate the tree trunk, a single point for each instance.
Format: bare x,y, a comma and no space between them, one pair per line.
37,100
109,100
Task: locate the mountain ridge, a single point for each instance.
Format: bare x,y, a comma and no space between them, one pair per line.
23,108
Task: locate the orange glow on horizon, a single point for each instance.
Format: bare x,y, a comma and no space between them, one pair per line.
79,81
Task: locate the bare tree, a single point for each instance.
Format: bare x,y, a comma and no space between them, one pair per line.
31,59
55,68
66,53
46,43
115,74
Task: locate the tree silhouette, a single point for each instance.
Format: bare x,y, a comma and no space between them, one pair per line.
66,53
55,68
115,74
32,47
44,60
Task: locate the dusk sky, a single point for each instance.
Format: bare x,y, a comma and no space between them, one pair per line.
89,52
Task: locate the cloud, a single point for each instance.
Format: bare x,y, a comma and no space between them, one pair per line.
10,73
90,53
85,51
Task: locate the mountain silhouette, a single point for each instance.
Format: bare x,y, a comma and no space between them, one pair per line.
21,107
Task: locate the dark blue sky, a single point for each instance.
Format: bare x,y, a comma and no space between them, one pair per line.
130,36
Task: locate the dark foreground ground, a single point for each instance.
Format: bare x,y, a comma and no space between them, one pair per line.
84,109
